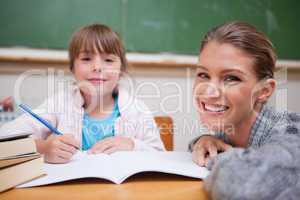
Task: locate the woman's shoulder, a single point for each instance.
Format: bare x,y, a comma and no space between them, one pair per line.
283,120
283,116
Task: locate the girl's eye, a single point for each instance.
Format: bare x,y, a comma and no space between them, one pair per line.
202,75
109,60
85,59
231,78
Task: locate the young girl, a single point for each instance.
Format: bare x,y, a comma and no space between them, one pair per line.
96,113
235,78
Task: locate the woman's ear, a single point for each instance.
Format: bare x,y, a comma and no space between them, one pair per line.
266,90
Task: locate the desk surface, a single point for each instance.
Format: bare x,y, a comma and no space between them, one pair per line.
141,186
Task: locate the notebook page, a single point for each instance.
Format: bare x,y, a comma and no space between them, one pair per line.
81,166
179,163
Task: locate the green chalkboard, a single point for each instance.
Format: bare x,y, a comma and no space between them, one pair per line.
150,26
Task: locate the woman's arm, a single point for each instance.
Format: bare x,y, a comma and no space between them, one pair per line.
220,136
268,172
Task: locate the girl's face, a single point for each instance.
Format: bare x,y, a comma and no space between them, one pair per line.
225,88
97,73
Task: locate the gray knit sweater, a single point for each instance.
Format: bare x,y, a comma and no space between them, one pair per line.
269,168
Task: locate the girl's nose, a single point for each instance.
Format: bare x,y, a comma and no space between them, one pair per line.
97,65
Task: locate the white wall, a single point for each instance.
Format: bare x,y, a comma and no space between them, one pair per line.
173,88
166,90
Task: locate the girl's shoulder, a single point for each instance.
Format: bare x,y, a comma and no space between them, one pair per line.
61,98
129,104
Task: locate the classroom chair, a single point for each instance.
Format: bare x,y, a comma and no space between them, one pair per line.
165,125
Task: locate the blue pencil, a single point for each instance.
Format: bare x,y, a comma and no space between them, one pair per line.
47,124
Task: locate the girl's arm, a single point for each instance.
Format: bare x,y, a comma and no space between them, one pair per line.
148,137
141,128
131,135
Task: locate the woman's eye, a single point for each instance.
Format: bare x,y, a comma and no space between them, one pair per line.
202,76
231,78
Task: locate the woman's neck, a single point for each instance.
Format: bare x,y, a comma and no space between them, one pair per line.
241,133
98,106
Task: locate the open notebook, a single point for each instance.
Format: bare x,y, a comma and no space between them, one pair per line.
119,166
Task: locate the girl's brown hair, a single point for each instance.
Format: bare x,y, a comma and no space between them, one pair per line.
248,39
97,38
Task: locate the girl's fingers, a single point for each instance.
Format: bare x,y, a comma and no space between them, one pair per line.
70,140
64,154
68,148
101,146
57,158
110,150
61,160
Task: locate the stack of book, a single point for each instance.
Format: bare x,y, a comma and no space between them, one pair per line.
7,116
19,160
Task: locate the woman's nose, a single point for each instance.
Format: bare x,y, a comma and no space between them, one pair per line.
208,90
213,90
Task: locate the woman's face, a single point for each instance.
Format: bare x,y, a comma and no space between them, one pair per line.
225,87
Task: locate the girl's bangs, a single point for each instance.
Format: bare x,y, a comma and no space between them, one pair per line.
106,44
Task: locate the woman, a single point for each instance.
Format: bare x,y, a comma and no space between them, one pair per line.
235,79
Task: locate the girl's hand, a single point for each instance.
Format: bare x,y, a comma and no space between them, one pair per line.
58,148
206,148
112,144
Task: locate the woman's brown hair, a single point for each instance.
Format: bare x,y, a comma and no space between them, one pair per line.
248,39
97,38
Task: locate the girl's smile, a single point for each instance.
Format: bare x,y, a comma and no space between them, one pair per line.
97,81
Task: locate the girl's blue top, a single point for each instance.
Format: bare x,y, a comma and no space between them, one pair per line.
94,129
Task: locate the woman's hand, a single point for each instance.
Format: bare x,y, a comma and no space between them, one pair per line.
58,148
112,144
206,148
